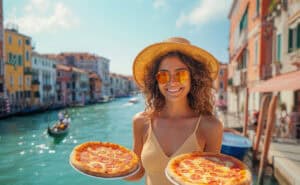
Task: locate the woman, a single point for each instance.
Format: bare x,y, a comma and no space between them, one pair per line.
176,79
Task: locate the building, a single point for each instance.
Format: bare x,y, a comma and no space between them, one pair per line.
95,87
3,100
285,18
119,85
250,51
221,86
44,76
90,63
63,85
18,71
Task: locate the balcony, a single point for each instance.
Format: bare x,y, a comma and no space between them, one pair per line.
27,71
240,78
266,72
35,82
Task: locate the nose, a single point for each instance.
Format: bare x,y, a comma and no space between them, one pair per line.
173,78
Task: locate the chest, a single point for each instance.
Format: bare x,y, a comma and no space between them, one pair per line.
173,136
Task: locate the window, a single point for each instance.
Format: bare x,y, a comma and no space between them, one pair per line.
20,81
290,48
244,21
11,80
256,52
294,38
19,42
9,39
257,6
278,48
28,82
221,85
298,36
27,56
20,60
221,72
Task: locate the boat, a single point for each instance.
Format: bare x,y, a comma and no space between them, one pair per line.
133,100
235,145
55,132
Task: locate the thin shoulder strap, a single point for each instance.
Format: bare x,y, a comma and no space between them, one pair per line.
198,123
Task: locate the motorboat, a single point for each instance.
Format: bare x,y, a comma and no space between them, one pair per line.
235,145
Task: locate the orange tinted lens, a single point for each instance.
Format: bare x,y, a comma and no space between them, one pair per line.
162,77
182,76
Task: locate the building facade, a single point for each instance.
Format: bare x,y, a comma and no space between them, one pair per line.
18,71
250,50
44,76
285,17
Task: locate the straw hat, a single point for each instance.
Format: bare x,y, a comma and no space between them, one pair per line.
154,51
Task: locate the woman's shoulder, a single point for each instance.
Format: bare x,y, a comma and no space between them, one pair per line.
211,122
141,119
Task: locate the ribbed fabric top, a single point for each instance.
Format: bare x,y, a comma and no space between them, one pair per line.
155,160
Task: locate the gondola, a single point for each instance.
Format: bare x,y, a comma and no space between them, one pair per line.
54,132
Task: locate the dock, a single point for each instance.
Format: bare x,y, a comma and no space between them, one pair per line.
283,155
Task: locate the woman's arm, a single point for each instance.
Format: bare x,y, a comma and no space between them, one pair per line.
139,130
213,134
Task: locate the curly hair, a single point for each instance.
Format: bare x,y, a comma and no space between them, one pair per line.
200,97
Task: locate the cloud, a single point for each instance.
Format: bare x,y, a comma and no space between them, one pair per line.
206,11
43,15
159,3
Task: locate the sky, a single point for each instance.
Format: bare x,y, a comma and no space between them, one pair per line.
119,29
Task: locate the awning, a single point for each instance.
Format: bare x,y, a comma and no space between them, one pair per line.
286,82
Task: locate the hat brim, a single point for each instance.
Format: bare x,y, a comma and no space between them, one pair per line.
152,52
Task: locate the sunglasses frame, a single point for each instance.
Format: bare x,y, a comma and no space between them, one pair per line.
177,78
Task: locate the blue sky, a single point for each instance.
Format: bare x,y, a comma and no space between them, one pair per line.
119,29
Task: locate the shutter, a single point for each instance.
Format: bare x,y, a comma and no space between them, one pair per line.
298,36
290,48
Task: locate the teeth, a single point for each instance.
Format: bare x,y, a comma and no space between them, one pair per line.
173,90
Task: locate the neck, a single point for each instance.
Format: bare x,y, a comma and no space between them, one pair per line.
177,109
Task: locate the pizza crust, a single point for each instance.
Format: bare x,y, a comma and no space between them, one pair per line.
117,161
177,171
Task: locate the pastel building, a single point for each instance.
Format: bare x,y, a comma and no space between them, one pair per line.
44,77
285,17
90,63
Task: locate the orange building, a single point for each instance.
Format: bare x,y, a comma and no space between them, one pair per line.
18,72
250,50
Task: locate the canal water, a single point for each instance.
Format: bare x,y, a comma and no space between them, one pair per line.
28,156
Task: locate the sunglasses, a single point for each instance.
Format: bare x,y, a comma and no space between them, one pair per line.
164,77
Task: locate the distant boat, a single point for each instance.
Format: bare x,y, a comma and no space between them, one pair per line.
133,100
55,132
60,128
104,99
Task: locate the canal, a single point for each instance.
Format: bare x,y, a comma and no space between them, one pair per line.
28,156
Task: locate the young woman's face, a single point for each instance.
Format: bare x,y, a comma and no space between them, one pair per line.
173,78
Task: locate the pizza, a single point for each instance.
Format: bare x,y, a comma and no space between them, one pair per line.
104,159
203,168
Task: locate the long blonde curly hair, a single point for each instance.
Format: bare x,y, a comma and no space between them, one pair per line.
200,97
